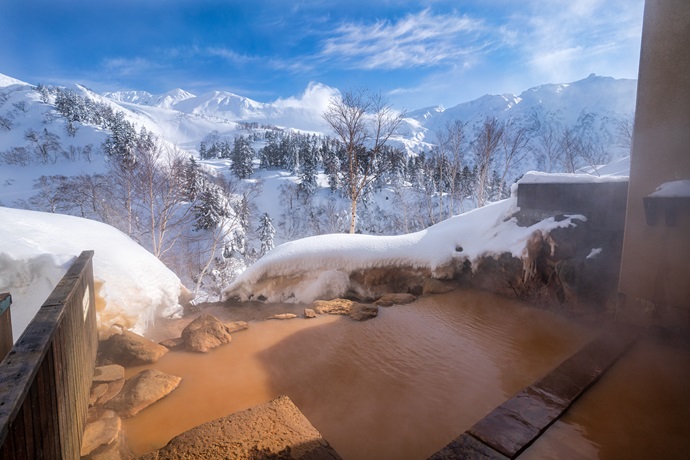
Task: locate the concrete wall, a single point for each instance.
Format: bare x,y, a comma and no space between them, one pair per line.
655,271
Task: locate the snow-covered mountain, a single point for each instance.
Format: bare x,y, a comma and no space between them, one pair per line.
183,120
606,99
165,100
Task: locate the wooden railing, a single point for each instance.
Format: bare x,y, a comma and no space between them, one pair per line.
46,378
5,325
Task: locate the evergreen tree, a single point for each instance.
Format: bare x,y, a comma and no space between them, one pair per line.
192,179
210,208
242,157
468,180
331,165
121,143
203,154
243,212
269,155
266,233
213,151
496,187
308,168
225,150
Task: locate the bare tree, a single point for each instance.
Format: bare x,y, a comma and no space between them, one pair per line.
485,147
363,122
121,194
46,144
593,153
569,144
547,146
452,140
160,190
514,147
624,132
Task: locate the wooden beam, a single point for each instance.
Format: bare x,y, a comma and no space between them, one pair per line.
5,325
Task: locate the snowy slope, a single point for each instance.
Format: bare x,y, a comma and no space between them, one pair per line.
6,80
22,105
38,248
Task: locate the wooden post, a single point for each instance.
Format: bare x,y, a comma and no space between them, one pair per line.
5,325
46,378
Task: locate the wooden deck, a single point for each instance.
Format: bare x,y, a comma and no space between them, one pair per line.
46,377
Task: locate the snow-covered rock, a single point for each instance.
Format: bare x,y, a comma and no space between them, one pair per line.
320,267
36,249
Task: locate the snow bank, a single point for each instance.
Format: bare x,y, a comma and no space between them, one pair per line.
36,249
319,266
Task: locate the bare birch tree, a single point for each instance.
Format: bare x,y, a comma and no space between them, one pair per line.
485,148
163,198
452,140
514,147
363,122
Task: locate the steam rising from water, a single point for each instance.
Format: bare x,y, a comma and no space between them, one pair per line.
399,386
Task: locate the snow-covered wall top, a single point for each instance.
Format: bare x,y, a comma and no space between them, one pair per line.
537,177
677,188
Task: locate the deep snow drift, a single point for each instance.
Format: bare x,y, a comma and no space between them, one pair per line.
319,267
37,248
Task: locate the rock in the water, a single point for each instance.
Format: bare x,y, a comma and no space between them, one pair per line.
309,313
108,373
275,430
434,286
283,316
114,388
97,390
173,344
141,391
333,307
236,326
205,333
101,432
388,300
129,349
107,382
363,311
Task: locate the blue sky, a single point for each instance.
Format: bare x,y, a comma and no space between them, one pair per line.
417,53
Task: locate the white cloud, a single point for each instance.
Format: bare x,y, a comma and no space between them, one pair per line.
421,39
315,98
227,54
562,40
129,66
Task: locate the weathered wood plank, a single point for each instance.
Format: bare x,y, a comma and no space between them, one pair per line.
6,339
511,427
466,447
46,377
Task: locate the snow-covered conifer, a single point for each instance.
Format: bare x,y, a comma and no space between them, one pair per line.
266,233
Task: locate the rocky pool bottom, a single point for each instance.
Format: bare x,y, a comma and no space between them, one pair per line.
406,383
